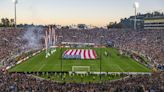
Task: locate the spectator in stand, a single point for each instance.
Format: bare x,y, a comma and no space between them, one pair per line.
140,83
147,42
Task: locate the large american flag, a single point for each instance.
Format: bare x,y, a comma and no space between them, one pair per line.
80,54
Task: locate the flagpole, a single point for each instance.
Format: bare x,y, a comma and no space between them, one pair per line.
101,56
46,43
61,50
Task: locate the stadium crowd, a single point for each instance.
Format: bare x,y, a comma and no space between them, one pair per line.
12,44
149,43
16,82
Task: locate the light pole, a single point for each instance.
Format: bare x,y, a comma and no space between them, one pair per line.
101,37
61,37
136,6
15,3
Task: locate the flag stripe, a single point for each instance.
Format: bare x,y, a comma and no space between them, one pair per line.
89,52
68,53
94,54
82,54
73,53
78,51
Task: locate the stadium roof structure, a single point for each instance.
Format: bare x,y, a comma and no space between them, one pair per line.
155,17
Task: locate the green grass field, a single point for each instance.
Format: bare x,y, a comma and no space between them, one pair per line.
113,63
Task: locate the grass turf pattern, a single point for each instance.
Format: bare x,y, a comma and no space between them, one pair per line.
111,63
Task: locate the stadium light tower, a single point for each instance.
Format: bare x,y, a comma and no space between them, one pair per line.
136,6
15,3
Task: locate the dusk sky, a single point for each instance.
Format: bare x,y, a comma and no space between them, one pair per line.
67,12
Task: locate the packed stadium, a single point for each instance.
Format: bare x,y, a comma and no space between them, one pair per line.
127,56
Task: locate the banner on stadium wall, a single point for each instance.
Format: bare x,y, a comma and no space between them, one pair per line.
80,54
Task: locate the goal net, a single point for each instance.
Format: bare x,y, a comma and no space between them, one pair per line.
80,68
